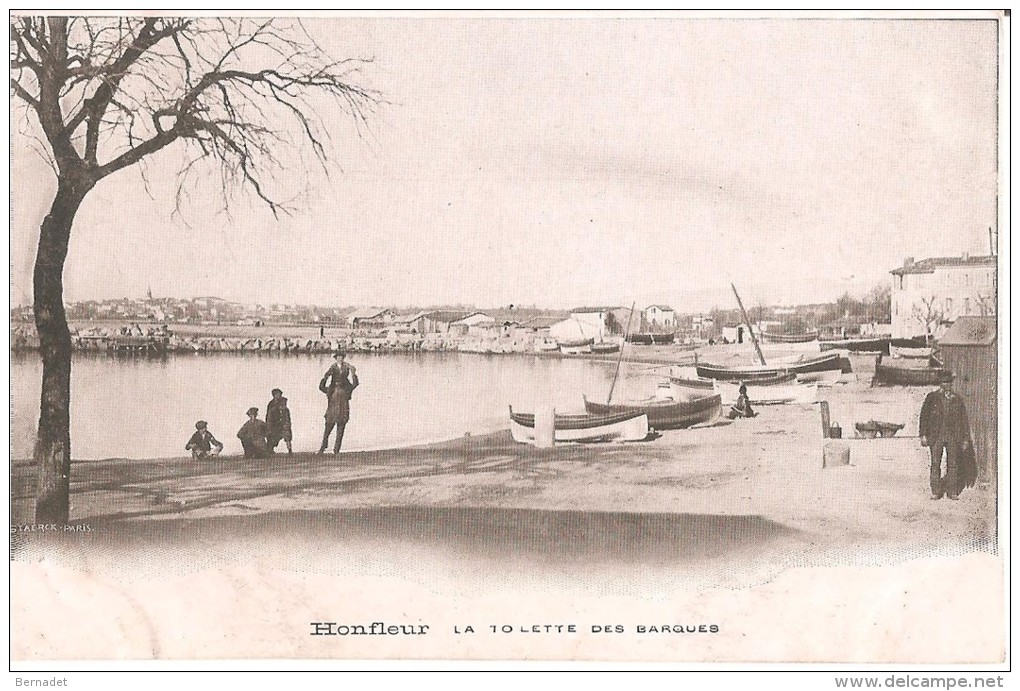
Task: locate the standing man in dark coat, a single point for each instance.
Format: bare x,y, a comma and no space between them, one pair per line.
338,384
944,428
278,422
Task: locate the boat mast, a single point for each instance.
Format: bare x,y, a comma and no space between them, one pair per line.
619,359
747,321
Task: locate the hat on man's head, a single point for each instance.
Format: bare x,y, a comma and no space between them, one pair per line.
277,391
252,411
201,424
340,352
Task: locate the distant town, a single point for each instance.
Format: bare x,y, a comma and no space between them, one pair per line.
922,298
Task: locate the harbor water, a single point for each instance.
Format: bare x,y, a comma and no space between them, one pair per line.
137,407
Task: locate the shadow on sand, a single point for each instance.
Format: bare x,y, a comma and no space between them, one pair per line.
535,536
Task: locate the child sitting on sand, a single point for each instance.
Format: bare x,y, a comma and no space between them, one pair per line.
202,443
742,408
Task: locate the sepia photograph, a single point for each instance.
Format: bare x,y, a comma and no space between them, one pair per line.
575,336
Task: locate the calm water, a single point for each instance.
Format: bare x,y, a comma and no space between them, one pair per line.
141,408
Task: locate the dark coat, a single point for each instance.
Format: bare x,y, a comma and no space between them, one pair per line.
202,440
944,419
278,419
253,438
338,384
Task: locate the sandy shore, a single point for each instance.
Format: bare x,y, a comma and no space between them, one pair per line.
735,525
690,496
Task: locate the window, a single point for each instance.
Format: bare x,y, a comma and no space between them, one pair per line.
949,307
966,305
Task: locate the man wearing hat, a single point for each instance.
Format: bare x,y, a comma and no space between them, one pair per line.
945,430
202,443
253,436
338,384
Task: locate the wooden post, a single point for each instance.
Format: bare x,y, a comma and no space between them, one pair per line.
826,421
545,427
747,321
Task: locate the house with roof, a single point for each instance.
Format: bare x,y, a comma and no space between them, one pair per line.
930,294
658,318
592,322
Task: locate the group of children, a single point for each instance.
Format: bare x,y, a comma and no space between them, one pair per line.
259,438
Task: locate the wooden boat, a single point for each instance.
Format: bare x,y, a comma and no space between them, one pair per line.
664,413
546,345
627,426
576,346
575,349
648,338
805,337
819,363
605,348
902,352
768,395
932,375
858,345
827,378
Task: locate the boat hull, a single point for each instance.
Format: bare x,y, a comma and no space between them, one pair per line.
899,352
769,395
826,378
665,415
583,428
904,376
858,345
829,361
790,338
651,339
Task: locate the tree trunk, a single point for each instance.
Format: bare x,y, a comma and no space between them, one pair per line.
53,442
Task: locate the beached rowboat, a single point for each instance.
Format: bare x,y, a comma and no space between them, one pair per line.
805,337
664,414
931,375
769,395
629,426
827,378
858,345
751,373
605,348
901,352
650,338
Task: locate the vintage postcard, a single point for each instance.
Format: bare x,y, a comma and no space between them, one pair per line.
600,337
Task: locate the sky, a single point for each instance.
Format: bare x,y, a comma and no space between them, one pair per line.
560,162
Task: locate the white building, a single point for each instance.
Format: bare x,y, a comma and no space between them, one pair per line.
660,318
930,294
584,322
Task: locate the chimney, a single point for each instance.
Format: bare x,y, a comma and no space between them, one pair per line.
966,256
909,261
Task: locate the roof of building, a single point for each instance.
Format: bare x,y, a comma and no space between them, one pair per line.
367,313
408,318
664,308
471,314
448,316
927,266
542,322
592,310
967,331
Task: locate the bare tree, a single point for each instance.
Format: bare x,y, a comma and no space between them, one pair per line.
105,94
985,304
929,315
